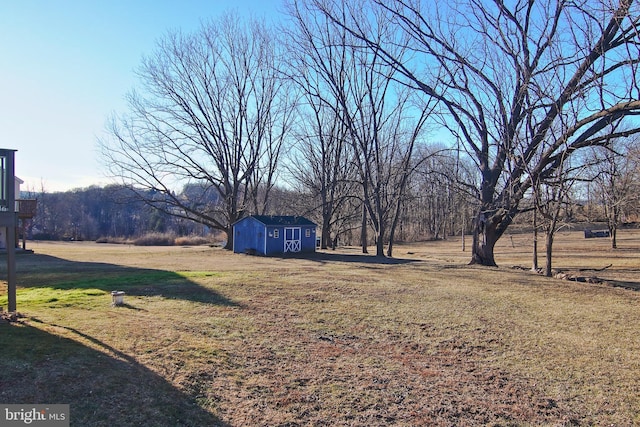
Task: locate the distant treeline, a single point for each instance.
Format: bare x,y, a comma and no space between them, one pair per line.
100,212
117,214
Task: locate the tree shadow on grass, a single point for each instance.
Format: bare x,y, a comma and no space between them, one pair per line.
47,271
103,388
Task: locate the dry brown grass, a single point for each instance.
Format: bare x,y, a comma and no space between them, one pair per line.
207,337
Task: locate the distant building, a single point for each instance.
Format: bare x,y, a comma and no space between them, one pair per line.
274,235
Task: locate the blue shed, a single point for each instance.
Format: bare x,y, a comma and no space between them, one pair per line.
274,235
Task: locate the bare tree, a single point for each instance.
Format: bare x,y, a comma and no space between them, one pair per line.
384,137
616,175
507,75
321,159
441,193
212,110
383,121
551,203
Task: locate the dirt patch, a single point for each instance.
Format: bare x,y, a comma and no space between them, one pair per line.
289,375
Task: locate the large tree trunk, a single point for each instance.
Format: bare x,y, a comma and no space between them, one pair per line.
229,244
235,216
483,244
380,242
325,240
488,227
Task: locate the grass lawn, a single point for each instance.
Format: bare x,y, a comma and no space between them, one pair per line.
206,337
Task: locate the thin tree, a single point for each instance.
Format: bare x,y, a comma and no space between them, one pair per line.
321,159
552,198
383,120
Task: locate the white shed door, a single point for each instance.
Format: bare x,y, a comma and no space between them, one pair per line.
292,239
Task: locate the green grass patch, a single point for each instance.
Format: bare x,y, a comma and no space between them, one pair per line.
121,282
87,291
57,297
84,291
199,274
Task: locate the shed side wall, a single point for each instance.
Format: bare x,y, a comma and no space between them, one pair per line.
248,235
308,243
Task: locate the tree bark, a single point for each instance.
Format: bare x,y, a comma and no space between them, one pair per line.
380,242
483,244
488,227
613,227
394,225
534,265
363,231
325,240
229,233
549,251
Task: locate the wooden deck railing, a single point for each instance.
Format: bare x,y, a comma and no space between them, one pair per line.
27,208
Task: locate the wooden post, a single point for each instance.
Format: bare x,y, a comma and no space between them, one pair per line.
9,220
11,268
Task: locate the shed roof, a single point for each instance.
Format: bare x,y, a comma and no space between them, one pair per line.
275,220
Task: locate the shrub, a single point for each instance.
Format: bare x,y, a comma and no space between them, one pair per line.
193,241
156,239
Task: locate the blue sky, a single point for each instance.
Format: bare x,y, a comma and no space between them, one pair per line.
65,66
